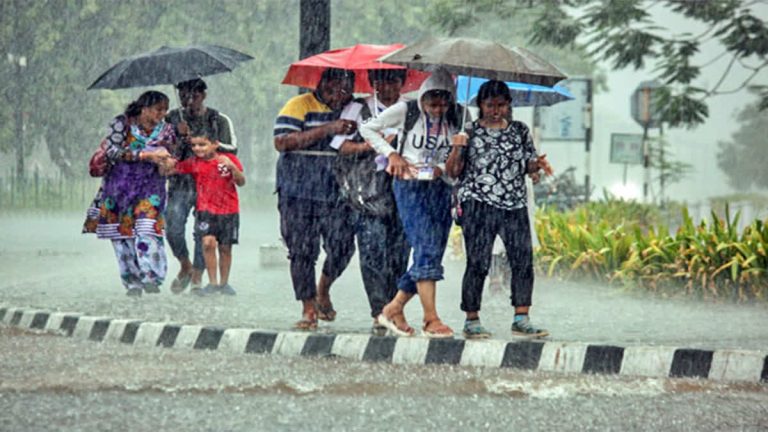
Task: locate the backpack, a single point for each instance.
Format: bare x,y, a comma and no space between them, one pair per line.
361,186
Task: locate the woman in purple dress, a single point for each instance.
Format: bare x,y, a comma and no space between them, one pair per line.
132,196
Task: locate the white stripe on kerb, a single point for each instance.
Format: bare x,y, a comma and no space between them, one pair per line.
483,353
737,365
187,337
149,333
54,321
27,317
350,346
84,326
235,340
647,361
289,344
410,350
9,315
562,357
116,329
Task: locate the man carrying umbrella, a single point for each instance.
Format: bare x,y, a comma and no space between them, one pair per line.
192,119
308,197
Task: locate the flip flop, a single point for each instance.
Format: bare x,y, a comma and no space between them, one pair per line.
440,332
305,324
390,324
325,313
179,284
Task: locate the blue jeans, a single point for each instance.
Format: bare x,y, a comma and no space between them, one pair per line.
383,257
425,211
181,200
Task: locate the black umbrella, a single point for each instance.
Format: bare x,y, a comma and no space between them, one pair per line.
170,65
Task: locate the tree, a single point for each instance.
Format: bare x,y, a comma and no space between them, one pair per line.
621,31
669,170
743,159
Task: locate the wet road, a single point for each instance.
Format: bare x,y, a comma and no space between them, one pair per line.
46,263
49,382
69,384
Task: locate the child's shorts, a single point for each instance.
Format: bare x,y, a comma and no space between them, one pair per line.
224,227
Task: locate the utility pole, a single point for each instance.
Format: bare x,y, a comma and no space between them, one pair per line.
18,62
587,141
314,28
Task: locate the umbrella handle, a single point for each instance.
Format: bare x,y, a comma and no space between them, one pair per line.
466,107
177,92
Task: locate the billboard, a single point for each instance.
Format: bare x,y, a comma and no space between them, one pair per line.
627,148
569,120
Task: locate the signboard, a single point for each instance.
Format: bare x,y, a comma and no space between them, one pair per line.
569,120
643,105
627,148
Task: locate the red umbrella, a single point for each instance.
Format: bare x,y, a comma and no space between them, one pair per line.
359,59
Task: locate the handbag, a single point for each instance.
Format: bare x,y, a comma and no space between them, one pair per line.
98,165
365,189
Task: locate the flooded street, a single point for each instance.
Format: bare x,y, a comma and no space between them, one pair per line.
47,264
80,385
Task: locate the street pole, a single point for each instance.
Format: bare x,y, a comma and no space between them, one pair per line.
587,141
646,164
646,120
662,168
314,28
19,62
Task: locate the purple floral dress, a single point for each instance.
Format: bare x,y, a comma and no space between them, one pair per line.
131,201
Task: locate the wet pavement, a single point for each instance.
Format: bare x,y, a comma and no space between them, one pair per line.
49,382
46,263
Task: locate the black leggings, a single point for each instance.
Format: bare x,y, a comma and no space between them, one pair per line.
481,223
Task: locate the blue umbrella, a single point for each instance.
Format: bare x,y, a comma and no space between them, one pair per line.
523,95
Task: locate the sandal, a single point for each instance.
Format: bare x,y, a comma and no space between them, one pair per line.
439,330
325,313
179,284
305,324
401,330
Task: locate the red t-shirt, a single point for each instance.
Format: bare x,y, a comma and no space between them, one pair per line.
216,190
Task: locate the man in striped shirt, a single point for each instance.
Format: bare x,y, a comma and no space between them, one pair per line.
309,203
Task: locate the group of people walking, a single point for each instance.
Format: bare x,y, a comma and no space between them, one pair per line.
434,163
194,147
427,162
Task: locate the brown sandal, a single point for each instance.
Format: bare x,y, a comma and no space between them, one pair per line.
439,330
325,313
306,324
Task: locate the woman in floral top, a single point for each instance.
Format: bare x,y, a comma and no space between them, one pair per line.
491,163
132,197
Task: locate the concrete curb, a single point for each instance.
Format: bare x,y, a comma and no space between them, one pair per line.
555,356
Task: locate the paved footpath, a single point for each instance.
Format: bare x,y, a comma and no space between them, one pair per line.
56,279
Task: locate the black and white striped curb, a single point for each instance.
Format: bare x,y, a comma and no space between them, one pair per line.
569,357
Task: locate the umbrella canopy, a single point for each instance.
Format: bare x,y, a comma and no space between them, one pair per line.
170,65
477,58
523,95
359,58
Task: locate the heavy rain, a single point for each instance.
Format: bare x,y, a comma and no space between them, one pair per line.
617,148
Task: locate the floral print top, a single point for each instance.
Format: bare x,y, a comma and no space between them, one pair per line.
495,166
132,200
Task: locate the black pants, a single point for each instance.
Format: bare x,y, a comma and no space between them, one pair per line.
303,223
383,253
481,223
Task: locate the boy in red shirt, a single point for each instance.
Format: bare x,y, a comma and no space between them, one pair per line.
217,218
